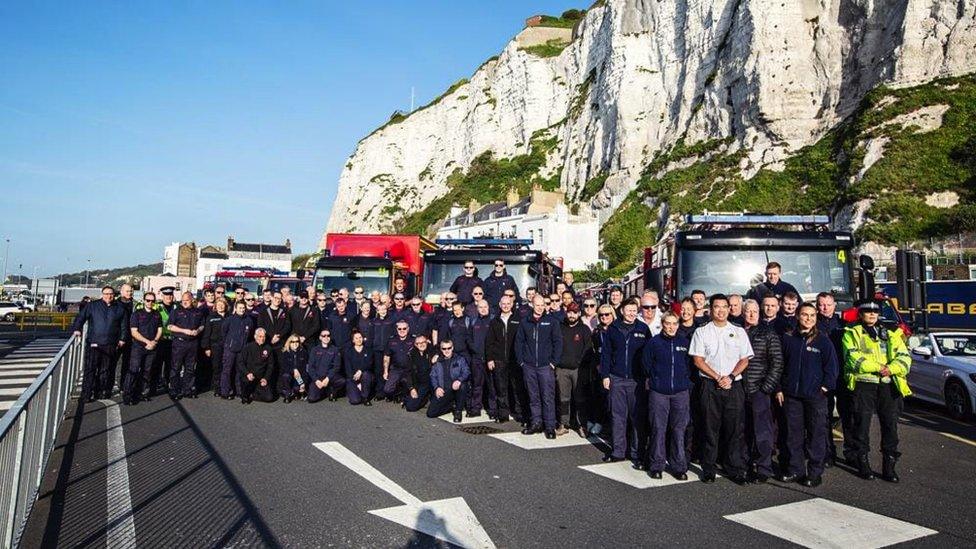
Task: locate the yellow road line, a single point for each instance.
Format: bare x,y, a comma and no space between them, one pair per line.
959,438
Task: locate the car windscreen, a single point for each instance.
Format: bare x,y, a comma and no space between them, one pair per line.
438,277
738,270
371,279
956,345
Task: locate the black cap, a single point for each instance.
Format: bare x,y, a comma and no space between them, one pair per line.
868,305
167,290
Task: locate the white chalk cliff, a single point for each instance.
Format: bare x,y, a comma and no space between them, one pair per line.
639,75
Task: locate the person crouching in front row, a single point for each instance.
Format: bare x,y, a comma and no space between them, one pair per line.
357,359
421,357
449,380
256,364
324,370
294,359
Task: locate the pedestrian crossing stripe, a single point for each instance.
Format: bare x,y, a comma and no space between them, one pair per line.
20,372
624,472
540,442
821,523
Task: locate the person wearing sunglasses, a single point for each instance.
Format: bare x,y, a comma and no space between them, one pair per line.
477,296
417,318
325,369
396,362
598,414
538,348
292,369
466,282
357,359
497,284
399,307
649,312
556,307
146,329
340,324
304,320
236,332
589,317
449,378
421,357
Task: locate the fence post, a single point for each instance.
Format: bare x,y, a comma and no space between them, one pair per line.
15,484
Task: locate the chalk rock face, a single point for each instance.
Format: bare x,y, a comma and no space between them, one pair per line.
639,75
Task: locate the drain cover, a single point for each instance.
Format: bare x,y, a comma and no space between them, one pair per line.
479,430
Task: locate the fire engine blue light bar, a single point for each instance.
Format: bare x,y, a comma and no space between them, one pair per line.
747,219
483,241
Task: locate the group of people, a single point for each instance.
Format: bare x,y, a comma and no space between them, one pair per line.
725,380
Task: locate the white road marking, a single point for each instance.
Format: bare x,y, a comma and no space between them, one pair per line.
958,438
540,442
449,520
11,392
6,404
823,523
121,526
624,472
449,417
21,372
22,361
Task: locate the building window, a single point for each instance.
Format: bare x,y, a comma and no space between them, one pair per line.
540,237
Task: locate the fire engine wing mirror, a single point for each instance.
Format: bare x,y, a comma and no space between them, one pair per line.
352,275
300,273
533,270
866,262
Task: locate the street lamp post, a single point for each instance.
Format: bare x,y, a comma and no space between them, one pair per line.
6,257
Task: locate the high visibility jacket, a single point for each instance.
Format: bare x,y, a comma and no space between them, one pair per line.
864,358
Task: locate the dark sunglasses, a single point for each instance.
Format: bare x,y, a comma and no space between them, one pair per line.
499,264
150,300
323,336
646,307
590,305
446,348
402,329
466,268
605,314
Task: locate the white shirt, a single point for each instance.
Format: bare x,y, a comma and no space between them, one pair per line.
654,326
722,348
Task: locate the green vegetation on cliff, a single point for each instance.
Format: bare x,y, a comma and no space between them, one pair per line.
825,177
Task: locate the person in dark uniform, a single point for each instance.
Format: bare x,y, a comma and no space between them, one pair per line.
237,331
304,320
396,363
441,318
341,321
108,324
598,396
577,344
212,342
832,325
124,299
478,366
257,364
382,329
164,353
400,287
787,320
875,371
761,378
464,284
449,378
357,359
668,372
399,307
620,360
421,357
688,322
459,331
364,325
186,325
503,369
538,348
735,309
146,329
325,377
496,284
773,285
810,371
291,377
274,319
417,319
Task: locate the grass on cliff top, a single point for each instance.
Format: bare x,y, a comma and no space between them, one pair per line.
551,48
815,179
567,20
487,180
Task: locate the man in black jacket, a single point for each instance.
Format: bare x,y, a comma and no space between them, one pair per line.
502,366
256,364
421,357
304,320
577,342
761,382
274,319
108,326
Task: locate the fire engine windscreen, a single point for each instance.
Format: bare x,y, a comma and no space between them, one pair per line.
438,277
736,271
373,278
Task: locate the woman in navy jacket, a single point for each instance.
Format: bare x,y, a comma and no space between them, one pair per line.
666,364
237,330
291,376
357,359
810,371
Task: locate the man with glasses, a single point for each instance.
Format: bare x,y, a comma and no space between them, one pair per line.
396,362
556,311
399,307
479,371
464,284
477,296
186,325
324,370
304,320
538,348
275,322
146,329
417,319
449,381
497,284
503,369
421,357
649,313
340,324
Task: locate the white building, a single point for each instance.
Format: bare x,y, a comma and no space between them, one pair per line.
211,259
542,217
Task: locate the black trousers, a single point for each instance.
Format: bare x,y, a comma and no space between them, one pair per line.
99,360
519,401
215,360
723,411
160,368
499,376
884,400
123,365
254,391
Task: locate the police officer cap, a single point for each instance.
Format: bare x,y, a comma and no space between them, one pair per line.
868,305
167,290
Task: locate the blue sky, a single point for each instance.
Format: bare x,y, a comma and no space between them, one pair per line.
125,126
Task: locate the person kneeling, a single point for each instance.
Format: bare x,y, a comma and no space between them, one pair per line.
358,361
294,359
325,379
256,364
421,357
449,380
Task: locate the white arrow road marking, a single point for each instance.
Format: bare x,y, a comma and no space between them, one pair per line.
449,520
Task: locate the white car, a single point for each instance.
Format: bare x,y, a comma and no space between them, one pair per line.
8,309
944,371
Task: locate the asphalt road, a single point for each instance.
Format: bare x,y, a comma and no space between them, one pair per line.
213,473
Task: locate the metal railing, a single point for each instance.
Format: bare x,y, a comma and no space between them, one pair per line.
27,434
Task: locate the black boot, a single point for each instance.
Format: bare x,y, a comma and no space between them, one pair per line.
864,468
888,469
